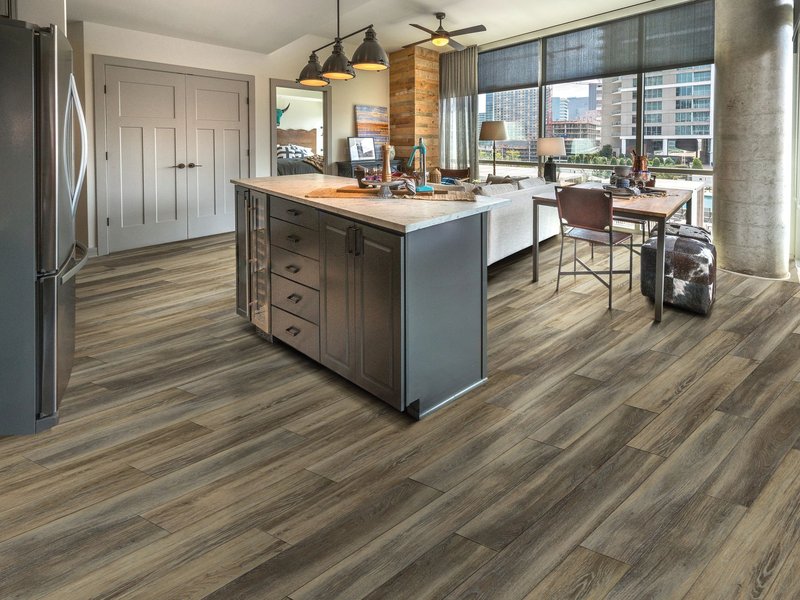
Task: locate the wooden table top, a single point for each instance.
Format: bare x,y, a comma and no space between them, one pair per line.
645,206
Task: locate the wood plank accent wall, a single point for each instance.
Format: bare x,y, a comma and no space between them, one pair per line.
414,102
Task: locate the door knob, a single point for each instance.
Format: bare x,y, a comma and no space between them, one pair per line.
179,166
192,165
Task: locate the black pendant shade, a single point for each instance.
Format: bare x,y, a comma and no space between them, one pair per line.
338,65
370,55
311,74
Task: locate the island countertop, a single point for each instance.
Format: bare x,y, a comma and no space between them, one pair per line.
394,214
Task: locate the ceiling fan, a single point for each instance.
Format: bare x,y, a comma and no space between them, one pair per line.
441,37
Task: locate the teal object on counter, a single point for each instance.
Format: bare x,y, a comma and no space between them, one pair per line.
423,166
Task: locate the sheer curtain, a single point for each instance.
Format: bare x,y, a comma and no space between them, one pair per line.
458,110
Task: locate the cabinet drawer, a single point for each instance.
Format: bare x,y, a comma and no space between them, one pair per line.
295,267
293,212
295,298
295,238
297,332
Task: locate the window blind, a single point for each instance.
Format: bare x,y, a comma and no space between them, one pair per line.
681,36
678,36
509,68
599,51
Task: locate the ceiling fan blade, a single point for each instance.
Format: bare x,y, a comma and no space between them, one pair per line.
419,42
425,29
473,29
454,44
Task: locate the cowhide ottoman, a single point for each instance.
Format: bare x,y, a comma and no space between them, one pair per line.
690,268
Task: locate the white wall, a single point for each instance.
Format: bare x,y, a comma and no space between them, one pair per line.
93,38
43,12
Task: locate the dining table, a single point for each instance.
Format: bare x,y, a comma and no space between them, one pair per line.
654,207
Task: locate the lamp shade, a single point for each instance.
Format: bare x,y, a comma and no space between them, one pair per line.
311,74
338,66
370,56
493,130
550,147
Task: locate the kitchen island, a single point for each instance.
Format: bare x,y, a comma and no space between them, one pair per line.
390,294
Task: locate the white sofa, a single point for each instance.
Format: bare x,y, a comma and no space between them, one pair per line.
510,225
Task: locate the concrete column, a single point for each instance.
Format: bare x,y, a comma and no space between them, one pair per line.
752,135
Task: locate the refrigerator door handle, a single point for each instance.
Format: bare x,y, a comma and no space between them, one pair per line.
74,270
75,101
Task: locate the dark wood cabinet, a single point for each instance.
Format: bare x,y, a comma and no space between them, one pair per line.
361,304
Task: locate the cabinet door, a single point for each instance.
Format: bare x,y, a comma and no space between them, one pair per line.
242,251
378,313
336,294
259,261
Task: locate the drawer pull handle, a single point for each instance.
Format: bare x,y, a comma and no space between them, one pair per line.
294,212
292,268
293,238
292,331
295,298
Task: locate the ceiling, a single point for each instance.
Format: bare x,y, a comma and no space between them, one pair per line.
267,25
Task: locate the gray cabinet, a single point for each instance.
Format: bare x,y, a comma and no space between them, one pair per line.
294,248
361,305
8,8
252,257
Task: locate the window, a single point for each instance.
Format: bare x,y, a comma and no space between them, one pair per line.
703,117
702,90
653,93
701,130
701,103
683,78
683,130
702,76
519,109
684,90
680,104
683,117
652,117
652,130
653,105
654,80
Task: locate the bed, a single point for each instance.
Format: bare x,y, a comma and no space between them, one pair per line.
304,138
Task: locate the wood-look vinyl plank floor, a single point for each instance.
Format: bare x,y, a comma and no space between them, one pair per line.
606,457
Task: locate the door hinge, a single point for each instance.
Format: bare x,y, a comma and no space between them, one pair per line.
105,89
108,222
106,155
248,152
247,100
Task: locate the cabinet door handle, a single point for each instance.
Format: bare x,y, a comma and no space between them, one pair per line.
292,268
293,238
295,298
294,212
193,165
359,250
292,331
179,166
349,240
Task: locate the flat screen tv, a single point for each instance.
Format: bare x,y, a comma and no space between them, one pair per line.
361,149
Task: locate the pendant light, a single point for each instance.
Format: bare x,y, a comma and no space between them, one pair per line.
369,56
311,74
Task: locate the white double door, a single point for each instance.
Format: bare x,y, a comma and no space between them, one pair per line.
174,142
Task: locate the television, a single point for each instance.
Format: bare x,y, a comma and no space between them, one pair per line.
361,149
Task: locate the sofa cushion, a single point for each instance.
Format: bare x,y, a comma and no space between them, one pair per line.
497,189
493,179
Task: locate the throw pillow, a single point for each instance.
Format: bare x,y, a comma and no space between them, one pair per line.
497,189
530,182
493,179
284,152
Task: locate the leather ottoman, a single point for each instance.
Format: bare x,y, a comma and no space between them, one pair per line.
690,268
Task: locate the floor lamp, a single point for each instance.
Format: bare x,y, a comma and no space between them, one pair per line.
493,131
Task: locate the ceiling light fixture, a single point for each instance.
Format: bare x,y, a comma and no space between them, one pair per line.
369,56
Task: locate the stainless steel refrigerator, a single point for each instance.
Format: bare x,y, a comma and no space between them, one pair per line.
42,167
